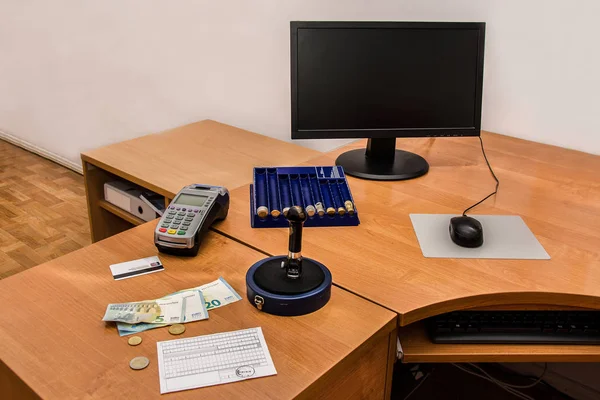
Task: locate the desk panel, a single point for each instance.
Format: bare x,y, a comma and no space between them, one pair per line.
203,152
53,341
556,191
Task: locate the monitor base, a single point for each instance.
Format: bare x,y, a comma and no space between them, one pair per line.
382,162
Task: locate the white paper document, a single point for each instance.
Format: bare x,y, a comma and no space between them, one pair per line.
209,360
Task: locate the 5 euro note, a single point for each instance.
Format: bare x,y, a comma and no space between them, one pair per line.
216,294
175,308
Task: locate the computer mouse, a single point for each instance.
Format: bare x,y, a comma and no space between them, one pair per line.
466,231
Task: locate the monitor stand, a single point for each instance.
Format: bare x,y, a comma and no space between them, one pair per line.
382,162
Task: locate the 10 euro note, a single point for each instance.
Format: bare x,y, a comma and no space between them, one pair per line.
215,294
194,307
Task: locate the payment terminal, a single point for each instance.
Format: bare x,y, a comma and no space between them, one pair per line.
188,217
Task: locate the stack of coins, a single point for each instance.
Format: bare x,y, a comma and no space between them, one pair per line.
262,211
320,209
285,211
275,213
330,211
310,210
341,210
349,207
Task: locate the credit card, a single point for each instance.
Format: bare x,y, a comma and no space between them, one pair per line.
134,268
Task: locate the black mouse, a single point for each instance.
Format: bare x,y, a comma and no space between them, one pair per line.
466,231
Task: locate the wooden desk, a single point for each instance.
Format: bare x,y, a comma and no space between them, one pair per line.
203,152
556,191
53,344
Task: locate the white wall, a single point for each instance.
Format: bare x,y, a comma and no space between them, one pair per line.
77,74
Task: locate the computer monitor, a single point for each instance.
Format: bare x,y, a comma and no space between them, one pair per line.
383,80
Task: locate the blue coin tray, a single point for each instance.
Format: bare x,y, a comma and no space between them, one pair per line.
279,187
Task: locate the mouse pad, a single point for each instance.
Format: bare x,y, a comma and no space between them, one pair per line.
504,236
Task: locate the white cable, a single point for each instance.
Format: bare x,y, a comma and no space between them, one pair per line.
538,380
418,385
500,384
508,388
514,392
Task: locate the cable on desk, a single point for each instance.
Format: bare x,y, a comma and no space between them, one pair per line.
493,174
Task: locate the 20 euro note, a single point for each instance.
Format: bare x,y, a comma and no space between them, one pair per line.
216,294
166,310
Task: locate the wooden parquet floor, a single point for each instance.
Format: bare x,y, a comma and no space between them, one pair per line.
43,211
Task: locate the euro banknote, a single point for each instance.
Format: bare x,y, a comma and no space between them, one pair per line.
170,309
216,294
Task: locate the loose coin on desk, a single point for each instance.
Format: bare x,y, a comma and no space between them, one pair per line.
139,363
176,329
134,340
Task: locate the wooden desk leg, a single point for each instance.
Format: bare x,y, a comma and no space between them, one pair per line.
392,349
366,373
12,387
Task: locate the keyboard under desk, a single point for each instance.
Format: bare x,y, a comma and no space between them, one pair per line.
417,345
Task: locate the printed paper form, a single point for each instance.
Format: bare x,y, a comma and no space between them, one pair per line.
213,360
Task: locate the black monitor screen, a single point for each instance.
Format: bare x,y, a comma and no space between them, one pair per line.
403,79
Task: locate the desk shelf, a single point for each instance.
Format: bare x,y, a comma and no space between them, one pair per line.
120,213
105,219
418,348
